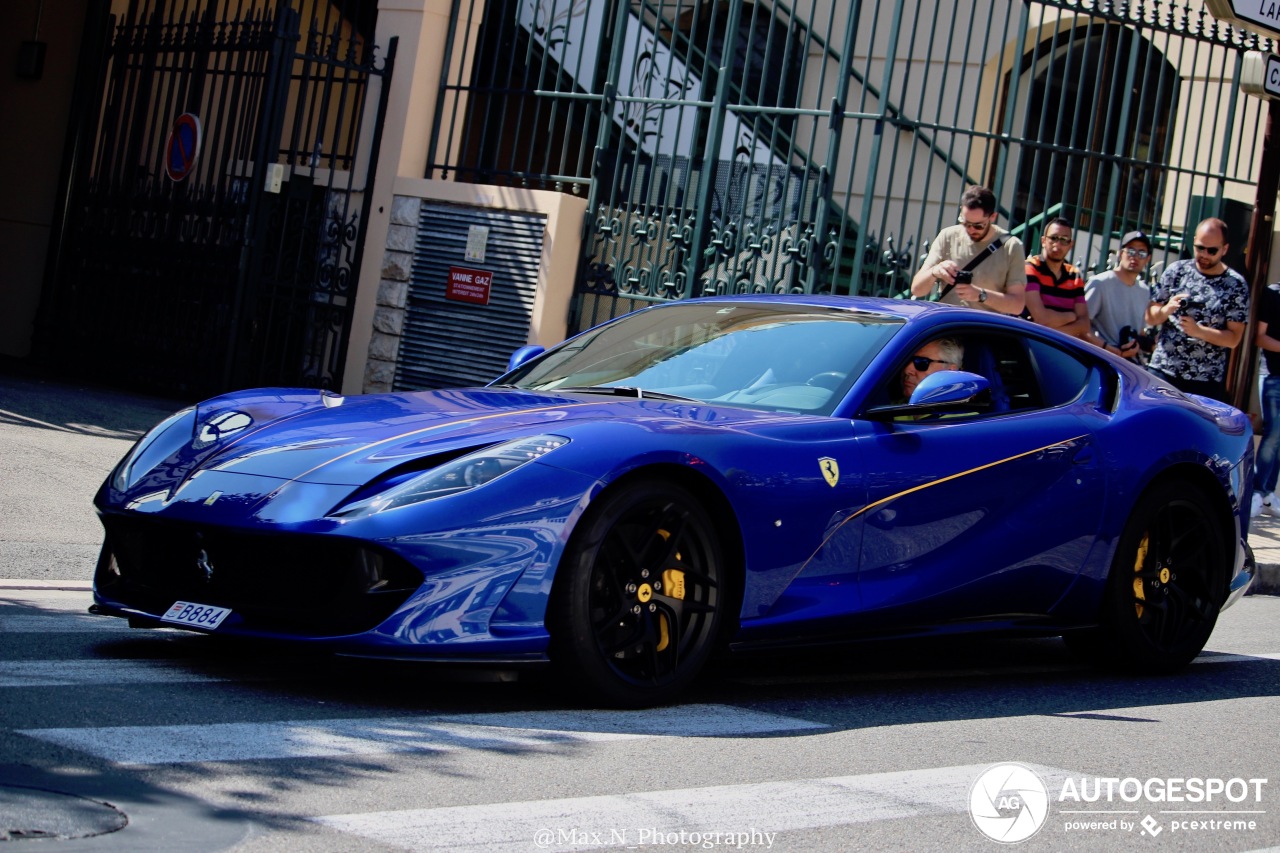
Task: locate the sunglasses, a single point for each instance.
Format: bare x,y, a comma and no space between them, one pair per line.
1137,253
1211,251
1060,240
973,226
922,362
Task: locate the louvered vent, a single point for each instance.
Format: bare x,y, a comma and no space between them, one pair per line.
447,343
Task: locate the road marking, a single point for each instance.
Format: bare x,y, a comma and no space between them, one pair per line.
655,817
70,623
910,674
76,673
327,738
1234,657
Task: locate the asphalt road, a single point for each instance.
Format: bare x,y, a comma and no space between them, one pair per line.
114,739
59,443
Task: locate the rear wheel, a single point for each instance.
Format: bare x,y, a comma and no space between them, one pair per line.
1167,583
638,600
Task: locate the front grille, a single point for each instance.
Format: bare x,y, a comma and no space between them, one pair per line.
282,582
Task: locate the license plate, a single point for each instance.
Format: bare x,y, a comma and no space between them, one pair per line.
195,615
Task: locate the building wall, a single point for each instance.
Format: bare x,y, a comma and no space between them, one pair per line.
34,115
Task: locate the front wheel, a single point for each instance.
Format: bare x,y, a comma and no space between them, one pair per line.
639,597
1167,582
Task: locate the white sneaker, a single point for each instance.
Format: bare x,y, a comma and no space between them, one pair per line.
1270,504
1255,506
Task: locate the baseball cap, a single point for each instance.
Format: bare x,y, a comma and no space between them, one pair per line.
1135,235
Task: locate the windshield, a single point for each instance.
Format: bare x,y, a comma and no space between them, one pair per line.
779,357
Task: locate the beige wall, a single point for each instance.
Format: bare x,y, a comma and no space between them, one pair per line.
422,27
34,115
561,249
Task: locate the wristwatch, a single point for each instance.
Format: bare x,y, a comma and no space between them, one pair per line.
982,296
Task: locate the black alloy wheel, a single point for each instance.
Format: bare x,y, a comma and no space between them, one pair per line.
1167,582
637,606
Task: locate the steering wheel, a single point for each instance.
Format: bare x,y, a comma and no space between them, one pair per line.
830,379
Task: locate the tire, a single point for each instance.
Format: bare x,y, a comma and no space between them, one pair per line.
1166,585
638,600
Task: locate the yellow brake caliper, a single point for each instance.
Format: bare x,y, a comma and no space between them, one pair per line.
1138,591
673,586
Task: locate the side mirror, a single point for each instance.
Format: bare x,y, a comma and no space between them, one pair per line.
939,393
524,354
948,386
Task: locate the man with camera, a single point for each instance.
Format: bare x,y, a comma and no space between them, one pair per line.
1200,307
975,262
1118,300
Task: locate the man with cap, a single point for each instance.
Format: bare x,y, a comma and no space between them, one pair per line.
1118,298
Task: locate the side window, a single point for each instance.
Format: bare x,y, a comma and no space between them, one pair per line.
1024,374
1062,375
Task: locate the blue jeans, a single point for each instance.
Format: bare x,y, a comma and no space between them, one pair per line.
1267,465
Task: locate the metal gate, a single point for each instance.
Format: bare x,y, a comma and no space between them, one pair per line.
217,205
818,145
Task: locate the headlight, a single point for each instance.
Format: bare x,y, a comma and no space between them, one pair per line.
165,438
460,475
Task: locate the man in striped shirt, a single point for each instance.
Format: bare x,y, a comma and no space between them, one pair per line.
1055,288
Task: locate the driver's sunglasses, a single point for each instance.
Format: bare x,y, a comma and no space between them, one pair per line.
1211,251
922,362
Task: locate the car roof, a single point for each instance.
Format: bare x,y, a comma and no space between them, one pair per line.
906,309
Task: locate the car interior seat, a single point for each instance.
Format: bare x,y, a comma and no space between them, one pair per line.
979,359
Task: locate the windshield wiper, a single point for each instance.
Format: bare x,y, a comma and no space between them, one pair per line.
625,391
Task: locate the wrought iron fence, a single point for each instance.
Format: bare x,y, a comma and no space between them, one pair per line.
181,267
729,146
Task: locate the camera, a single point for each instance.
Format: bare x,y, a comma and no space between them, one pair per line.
964,277
1191,305
1129,334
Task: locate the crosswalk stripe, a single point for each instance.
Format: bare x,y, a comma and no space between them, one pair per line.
135,745
658,817
70,623
1232,657
72,673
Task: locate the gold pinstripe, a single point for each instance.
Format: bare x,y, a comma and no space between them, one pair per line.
936,482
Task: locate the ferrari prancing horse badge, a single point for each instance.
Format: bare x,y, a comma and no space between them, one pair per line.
830,470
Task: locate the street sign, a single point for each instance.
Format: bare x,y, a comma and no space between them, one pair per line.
1259,16
182,147
1260,74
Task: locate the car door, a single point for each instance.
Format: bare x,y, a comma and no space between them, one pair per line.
989,514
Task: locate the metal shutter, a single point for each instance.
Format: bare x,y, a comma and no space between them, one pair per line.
447,343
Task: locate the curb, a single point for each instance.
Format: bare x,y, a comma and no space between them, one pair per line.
56,586
1267,580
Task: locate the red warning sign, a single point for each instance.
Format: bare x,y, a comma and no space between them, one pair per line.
467,285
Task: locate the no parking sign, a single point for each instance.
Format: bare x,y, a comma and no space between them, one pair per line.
182,147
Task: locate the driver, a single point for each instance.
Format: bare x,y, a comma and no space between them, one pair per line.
942,354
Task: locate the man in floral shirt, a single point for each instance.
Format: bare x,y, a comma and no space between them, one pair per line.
1199,307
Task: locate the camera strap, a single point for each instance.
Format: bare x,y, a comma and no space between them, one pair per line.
974,262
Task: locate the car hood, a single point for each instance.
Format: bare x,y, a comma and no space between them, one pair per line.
316,438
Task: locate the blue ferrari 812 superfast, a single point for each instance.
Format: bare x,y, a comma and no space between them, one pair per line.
731,473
